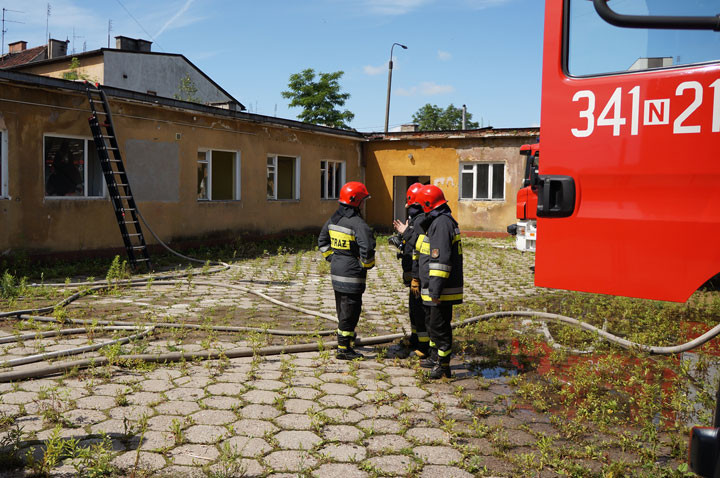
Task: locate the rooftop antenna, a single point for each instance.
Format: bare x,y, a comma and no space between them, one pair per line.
2,29
75,37
47,23
109,30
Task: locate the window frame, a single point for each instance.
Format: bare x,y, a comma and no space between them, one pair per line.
4,182
324,192
274,157
237,180
89,142
475,173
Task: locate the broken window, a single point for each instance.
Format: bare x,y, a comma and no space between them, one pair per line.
72,168
3,165
218,175
332,177
283,177
482,181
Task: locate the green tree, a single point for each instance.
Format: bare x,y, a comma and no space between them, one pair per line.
187,90
319,99
433,118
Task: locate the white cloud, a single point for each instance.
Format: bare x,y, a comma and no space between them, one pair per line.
444,55
394,7
426,88
374,70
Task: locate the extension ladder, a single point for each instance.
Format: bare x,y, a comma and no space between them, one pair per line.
116,178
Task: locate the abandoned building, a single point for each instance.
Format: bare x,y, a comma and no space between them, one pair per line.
203,172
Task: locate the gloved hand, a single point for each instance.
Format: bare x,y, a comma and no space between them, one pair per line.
415,288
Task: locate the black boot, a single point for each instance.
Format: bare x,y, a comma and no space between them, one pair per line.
440,370
431,360
345,350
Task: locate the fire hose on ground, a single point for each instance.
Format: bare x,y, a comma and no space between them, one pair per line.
170,279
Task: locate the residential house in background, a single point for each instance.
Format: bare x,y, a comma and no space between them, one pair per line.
130,66
19,54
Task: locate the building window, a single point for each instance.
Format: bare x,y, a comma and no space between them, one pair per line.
332,177
283,177
72,168
3,164
482,181
218,175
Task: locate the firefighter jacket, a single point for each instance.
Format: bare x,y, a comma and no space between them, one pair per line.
409,255
440,259
348,243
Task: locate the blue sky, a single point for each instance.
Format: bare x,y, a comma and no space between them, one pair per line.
482,53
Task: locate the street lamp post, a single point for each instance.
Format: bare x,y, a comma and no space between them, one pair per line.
390,67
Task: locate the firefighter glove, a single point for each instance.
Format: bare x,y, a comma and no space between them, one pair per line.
415,287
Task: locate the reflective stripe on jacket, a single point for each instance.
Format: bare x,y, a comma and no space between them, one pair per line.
348,243
409,255
440,261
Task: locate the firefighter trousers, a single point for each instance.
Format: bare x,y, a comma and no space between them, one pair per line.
419,336
348,307
438,326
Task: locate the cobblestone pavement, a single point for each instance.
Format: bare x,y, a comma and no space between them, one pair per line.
284,415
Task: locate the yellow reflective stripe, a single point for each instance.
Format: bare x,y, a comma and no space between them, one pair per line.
340,240
444,353
415,257
345,333
342,347
443,298
368,265
327,253
434,273
456,238
423,339
422,246
432,344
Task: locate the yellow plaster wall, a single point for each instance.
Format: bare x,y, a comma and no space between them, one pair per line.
440,159
35,223
91,68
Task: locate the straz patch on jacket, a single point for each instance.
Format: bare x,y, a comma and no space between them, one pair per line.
435,253
339,240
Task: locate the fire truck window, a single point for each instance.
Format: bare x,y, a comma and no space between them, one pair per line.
596,47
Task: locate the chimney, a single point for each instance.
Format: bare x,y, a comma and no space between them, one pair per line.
132,44
409,128
17,47
57,48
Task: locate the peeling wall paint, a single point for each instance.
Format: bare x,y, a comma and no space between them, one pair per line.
440,159
32,222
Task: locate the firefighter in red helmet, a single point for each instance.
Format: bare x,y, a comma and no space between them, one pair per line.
347,242
441,276
410,231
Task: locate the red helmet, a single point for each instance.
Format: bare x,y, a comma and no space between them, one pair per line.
353,193
412,194
430,197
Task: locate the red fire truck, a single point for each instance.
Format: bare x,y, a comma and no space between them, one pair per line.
627,191
525,230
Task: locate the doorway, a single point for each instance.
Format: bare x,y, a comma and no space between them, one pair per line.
400,187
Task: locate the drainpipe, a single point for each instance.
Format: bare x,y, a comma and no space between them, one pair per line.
464,122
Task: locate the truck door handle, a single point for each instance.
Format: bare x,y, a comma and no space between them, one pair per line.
556,196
